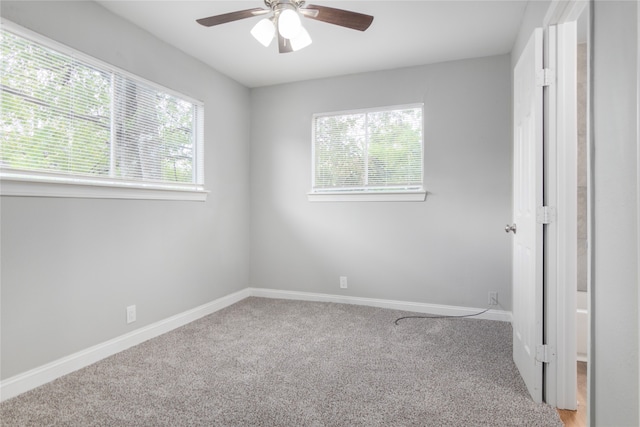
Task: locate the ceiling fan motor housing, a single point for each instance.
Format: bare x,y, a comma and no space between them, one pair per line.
277,5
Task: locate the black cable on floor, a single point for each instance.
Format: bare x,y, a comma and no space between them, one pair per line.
439,317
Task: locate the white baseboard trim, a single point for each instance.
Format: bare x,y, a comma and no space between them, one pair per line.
36,377
441,310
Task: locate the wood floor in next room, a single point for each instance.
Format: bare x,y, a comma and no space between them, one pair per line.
578,418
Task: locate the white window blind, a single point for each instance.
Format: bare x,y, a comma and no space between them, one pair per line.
376,150
68,117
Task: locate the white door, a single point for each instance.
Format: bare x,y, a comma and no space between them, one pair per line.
527,201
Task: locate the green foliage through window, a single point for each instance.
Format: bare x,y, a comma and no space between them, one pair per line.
62,115
370,150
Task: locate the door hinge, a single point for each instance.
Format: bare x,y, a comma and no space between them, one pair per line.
545,353
545,77
546,214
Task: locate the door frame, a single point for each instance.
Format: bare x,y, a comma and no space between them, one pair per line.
560,376
638,172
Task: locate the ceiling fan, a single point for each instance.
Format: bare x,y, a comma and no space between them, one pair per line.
284,20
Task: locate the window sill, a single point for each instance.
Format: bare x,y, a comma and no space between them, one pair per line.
13,186
399,196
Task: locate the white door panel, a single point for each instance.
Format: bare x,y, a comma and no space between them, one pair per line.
527,198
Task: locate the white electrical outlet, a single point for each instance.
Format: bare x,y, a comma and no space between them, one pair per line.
131,314
343,282
493,298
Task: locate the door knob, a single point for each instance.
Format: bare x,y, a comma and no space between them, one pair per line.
509,228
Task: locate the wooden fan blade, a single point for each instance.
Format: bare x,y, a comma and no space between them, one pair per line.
284,45
231,16
344,18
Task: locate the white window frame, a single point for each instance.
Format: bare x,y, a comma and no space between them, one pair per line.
39,184
391,194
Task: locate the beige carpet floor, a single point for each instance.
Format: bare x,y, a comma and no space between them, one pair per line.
265,362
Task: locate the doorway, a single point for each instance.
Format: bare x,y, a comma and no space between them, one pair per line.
567,282
579,417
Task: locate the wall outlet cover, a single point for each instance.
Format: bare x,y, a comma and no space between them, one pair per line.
493,298
131,314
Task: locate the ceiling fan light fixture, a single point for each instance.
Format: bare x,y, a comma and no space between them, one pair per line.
285,19
289,25
302,40
264,31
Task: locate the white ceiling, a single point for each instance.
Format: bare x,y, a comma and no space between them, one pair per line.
403,33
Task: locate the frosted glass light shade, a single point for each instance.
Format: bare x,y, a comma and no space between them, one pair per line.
302,40
289,24
264,31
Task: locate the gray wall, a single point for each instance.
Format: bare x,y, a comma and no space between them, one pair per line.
450,249
615,235
70,266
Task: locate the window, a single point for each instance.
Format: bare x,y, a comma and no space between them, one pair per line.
69,121
374,154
